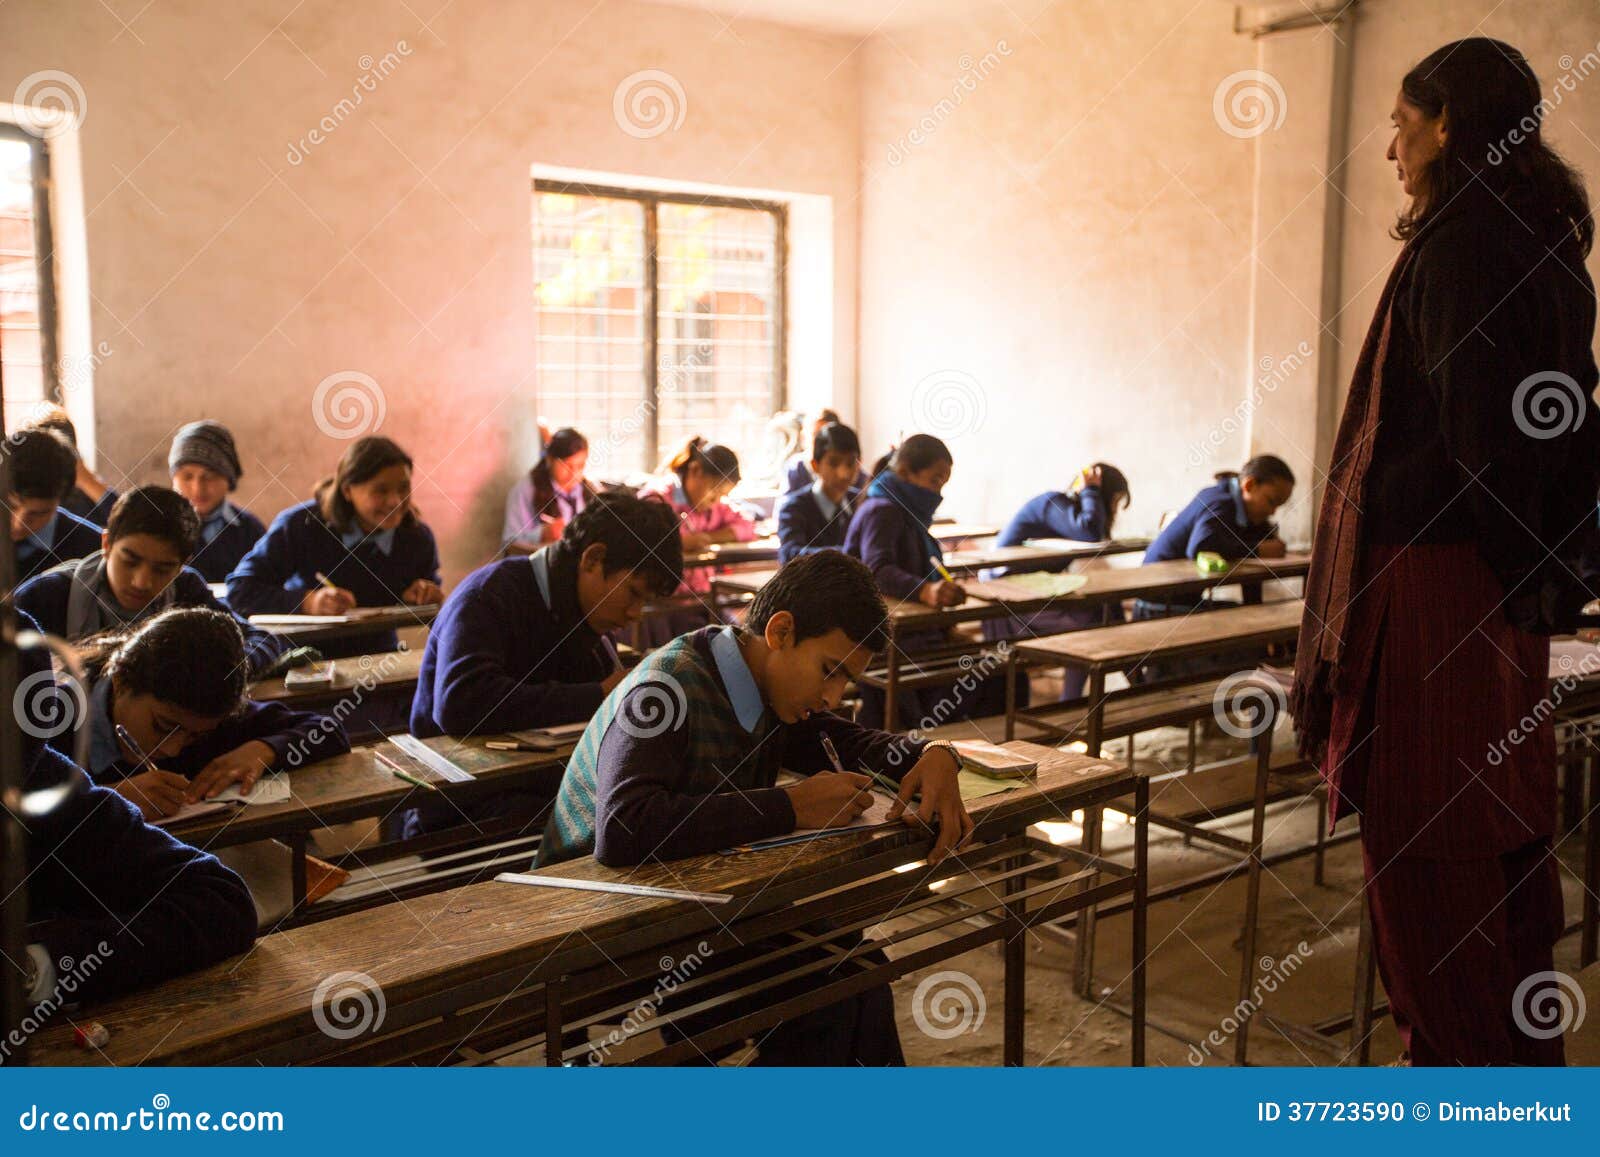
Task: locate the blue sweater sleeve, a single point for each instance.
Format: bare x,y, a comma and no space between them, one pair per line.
476,686
256,585
104,884
642,814
44,599
1082,519
794,528
880,534
296,738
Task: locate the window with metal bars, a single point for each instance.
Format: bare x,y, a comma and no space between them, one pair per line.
27,297
660,316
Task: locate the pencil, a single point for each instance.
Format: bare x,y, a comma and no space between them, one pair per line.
327,583
939,566
402,773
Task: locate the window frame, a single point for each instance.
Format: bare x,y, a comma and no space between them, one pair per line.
44,261
651,200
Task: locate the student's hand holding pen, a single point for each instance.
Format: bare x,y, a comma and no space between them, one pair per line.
936,777
422,592
156,793
829,799
327,601
944,593
1272,548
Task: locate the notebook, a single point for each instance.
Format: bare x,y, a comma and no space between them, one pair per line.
993,760
316,675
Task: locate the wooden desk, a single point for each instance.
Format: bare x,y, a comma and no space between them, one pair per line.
357,786
461,971
370,694
310,634
1104,649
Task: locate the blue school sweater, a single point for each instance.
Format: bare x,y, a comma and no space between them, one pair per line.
283,566
98,874
235,532
65,537
296,738
45,597
1080,516
1214,520
87,508
682,759
104,884
510,650
806,526
893,545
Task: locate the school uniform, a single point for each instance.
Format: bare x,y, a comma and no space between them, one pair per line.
890,533
91,510
536,497
509,651
809,521
643,786
1081,516
797,476
659,628
226,536
104,885
74,601
377,568
64,537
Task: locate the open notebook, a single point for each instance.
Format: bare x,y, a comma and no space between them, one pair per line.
268,789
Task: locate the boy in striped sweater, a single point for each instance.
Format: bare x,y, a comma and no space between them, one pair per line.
682,759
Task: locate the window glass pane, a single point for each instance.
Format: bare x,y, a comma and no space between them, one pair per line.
21,351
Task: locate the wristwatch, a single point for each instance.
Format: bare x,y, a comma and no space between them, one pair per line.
936,744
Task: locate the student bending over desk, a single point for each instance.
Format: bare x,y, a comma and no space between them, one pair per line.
683,757
90,498
140,572
521,643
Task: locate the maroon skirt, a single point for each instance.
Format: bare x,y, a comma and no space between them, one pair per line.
1442,736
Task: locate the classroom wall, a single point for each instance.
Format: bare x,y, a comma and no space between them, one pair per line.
1078,259
229,281
1055,260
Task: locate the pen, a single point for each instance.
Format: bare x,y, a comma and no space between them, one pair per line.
132,745
326,582
832,753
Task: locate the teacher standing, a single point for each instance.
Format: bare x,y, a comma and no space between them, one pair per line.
1461,488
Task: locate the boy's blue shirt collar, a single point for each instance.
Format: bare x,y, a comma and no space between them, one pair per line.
748,706
383,540
1240,515
218,520
827,505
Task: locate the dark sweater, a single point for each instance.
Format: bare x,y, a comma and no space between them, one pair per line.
1214,520
73,538
87,508
283,566
45,597
804,529
667,770
500,658
1080,516
893,545
1484,307
216,559
103,883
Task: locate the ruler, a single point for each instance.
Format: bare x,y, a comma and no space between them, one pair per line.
431,759
606,886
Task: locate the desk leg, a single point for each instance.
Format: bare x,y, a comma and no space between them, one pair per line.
1083,965
1011,693
297,873
1141,876
554,1027
1366,977
1252,896
1016,967
891,687
1591,864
